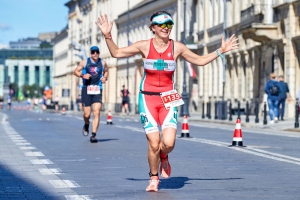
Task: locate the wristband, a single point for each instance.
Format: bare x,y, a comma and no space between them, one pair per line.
219,54
108,37
81,76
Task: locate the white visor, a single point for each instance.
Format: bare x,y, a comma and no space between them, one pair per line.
161,19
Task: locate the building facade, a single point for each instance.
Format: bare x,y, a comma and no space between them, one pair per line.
25,67
80,34
268,33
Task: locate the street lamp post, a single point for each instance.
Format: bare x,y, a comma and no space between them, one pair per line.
224,59
71,87
185,96
127,66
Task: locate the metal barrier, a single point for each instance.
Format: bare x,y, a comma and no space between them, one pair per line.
297,114
265,114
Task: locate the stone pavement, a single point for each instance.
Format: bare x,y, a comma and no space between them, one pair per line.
18,177
286,125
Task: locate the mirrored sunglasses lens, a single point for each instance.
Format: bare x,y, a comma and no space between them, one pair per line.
170,26
92,52
163,25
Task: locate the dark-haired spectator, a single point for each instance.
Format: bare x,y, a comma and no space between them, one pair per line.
273,90
283,95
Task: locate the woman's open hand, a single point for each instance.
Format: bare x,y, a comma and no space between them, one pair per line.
231,44
104,26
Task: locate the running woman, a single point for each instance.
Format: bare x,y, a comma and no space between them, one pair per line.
94,73
158,97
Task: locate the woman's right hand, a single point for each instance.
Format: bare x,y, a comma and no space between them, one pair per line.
104,26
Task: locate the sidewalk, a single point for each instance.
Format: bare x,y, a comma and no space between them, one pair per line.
287,125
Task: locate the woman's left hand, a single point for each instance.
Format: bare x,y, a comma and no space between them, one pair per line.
231,44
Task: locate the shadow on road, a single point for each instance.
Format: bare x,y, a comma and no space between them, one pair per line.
16,187
179,182
106,140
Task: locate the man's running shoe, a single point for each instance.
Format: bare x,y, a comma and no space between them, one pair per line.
93,139
153,184
165,167
85,129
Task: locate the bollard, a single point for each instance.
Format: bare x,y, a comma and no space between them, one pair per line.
265,114
256,112
216,110
209,110
297,114
239,110
247,111
203,104
208,106
224,112
230,111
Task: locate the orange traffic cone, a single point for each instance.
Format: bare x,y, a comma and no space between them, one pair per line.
185,127
109,118
237,140
63,110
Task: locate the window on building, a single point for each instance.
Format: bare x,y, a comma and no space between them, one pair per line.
26,74
37,75
201,17
221,11
216,12
6,74
47,75
210,14
16,75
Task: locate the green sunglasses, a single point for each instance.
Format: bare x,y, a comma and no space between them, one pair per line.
170,26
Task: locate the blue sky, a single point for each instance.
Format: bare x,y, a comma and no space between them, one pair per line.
27,18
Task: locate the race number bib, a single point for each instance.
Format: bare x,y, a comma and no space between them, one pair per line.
171,99
93,89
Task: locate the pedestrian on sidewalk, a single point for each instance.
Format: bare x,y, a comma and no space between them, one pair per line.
124,93
56,103
283,95
158,99
273,90
94,73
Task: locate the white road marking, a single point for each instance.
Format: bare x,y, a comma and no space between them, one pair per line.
253,151
19,141
11,132
265,132
79,197
23,143
79,160
50,171
37,154
257,152
64,184
42,161
27,148
16,137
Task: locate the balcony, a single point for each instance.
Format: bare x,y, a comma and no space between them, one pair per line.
252,26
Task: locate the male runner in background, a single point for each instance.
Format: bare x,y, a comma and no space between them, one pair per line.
94,73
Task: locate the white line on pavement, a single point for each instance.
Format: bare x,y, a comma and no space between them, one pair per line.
264,132
50,171
42,161
79,197
37,154
257,152
64,184
254,151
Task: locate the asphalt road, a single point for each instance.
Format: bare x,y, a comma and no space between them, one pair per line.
45,156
